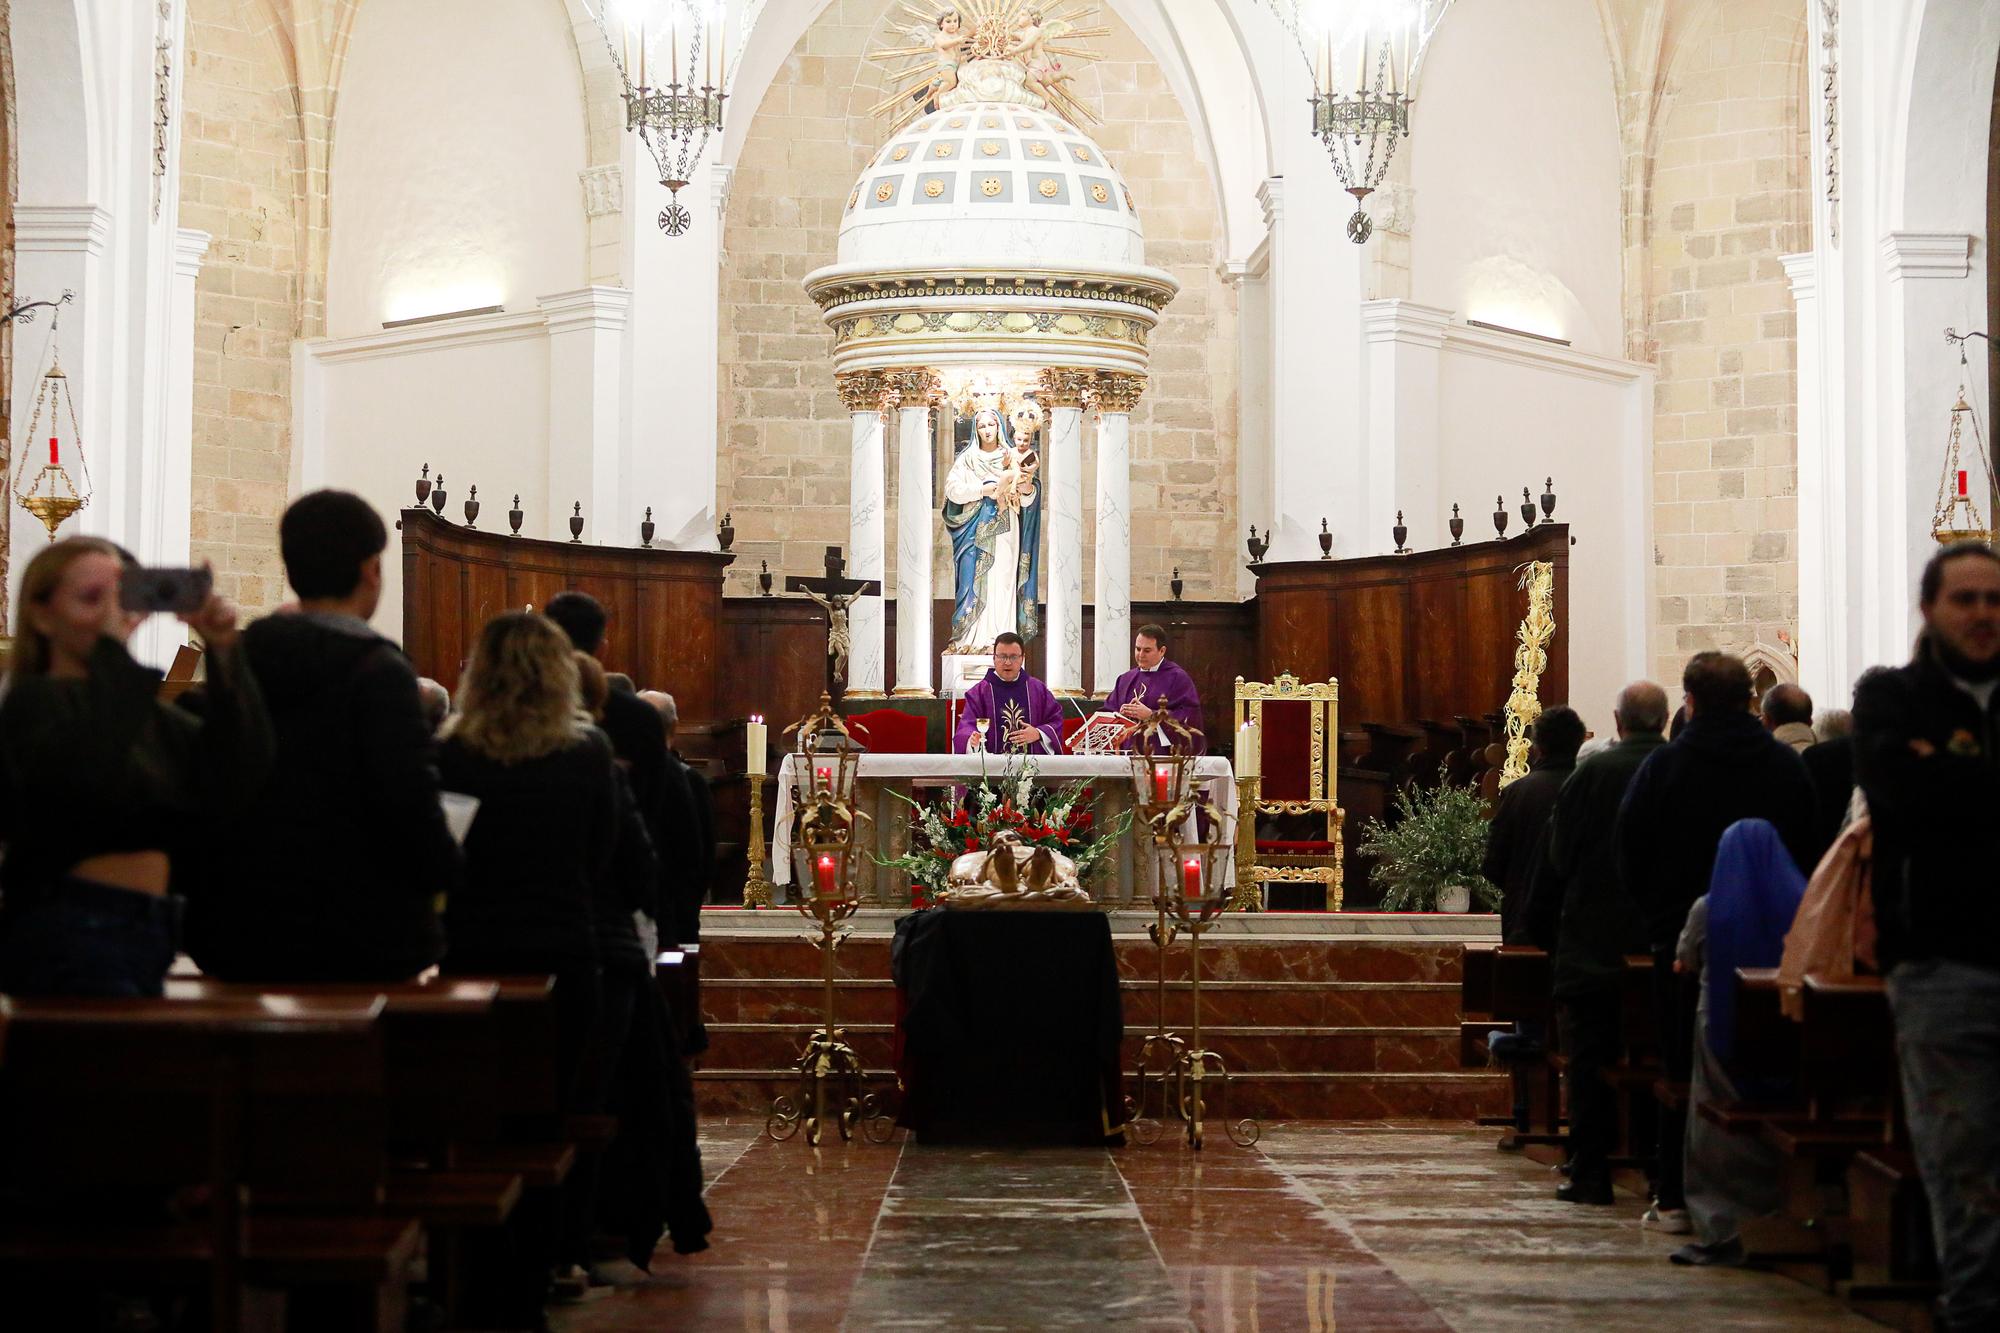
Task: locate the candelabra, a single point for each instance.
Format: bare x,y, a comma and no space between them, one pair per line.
757,886
824,822
1192,882
688,43
1163,796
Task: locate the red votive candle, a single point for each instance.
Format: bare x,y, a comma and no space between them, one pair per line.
822,777
826,877
1961,471
1162,778
52,463
1191,877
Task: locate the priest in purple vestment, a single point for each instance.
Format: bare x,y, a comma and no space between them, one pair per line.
1021,715
1155,684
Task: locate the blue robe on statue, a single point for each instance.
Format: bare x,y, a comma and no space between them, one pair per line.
976,528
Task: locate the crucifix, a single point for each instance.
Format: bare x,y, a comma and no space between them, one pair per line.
835,592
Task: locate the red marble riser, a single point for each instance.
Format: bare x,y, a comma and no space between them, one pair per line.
1393,1050
1271,1097
1227,1004
1221,959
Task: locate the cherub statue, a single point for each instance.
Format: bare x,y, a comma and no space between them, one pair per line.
1031,39
949,43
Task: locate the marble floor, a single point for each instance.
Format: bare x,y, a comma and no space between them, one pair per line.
1318,1227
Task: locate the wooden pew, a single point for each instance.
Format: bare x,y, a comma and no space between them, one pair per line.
235,1097
1475,1003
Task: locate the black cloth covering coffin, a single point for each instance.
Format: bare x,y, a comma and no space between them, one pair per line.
1010,1028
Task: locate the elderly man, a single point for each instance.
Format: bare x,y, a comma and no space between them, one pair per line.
1582,914
1020,713
1788,711
1927,752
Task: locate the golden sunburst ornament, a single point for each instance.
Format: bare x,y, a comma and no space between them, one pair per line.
942,53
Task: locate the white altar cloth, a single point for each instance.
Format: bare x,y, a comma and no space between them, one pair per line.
1212,771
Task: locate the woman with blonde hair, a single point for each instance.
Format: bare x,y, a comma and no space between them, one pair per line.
551,865
105,791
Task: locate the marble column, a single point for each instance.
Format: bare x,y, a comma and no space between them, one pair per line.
917,392
1115,395
1062,393
862,391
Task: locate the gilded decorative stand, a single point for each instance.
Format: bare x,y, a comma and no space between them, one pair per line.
1200,870
757,886
1531,659
1162,786
830,1074
1247,898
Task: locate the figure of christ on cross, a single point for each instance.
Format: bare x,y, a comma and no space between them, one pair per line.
835,592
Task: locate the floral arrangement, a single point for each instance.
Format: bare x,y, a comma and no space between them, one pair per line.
943,828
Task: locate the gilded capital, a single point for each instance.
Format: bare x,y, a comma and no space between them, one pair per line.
1116,392
1064,386
916,386
861,390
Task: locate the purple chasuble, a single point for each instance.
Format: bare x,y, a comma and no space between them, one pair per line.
1008,704
1166,687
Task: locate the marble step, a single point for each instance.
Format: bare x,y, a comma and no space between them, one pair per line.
1223,959
1338,1049
1269,1096
1224,1003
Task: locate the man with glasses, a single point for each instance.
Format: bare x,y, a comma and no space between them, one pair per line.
1010,710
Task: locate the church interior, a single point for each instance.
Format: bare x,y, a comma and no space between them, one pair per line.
999,664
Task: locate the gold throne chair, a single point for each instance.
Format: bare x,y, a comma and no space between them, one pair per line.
1298,723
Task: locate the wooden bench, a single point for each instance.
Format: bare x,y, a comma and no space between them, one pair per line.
220,1100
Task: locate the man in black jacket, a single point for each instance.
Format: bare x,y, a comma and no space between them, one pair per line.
336,872
1582,914
1514,836
1927,752
1724,767
636,735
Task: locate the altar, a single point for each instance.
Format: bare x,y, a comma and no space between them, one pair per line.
880,779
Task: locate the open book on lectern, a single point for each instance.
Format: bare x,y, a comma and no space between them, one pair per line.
1101,733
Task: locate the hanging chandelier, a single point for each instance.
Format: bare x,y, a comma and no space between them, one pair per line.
674,61
1957,517
53,495
1361,122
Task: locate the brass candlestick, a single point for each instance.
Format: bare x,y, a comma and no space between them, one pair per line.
1164,786
823,851
1193,889
757,886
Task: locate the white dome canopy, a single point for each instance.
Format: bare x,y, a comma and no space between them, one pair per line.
991,185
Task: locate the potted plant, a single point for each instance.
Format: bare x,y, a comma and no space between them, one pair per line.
1427,859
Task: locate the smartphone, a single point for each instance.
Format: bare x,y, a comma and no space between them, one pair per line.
179,591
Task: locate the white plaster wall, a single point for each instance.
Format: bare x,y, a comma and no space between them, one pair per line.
478,413
1514,158
454,181
1506,425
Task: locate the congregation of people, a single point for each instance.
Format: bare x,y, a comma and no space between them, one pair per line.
288,822
1765,835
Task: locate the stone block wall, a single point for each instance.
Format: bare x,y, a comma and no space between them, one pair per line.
782,469
1728,196
239,163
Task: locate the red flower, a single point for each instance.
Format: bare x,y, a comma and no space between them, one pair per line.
972,844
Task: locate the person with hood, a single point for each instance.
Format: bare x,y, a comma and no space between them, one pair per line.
1581,914
1724,767
1742,921
336,872
1927,752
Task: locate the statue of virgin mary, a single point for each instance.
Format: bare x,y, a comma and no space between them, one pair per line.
993,511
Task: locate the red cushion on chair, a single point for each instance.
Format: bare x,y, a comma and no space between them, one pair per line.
888,731
1300,848
1287,768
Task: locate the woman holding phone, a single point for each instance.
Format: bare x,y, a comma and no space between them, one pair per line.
103,787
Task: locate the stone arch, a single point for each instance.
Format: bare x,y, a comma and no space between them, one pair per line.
1770,666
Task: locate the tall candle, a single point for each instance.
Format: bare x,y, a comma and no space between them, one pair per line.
1246,750
52,463
1191,877
1162,779
757,739
825,877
